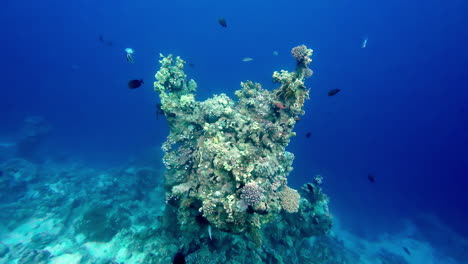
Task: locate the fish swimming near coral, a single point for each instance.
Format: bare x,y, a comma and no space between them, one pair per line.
179,258
209,232
247,59
371,177
279,105
308,134
133,84
222,22
332,92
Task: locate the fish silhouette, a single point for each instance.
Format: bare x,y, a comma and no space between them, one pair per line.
222,22
133,84
333,92
371,177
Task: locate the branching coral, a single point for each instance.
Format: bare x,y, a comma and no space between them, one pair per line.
293,92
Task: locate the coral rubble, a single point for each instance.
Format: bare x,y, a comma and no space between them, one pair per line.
227,168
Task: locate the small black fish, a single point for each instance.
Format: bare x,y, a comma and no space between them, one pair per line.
308,134
315,220
407,251
222,22
191,64
371,177
179,258
333,92
133,84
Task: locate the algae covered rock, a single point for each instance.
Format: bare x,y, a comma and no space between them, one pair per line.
100,223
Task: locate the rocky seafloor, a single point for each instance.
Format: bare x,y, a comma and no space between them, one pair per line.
69,213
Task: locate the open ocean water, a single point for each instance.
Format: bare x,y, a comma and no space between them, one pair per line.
81,171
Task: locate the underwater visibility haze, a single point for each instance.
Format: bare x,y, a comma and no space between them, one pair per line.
321,132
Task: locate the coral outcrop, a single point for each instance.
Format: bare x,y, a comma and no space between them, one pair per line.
227,163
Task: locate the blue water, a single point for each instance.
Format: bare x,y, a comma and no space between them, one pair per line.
402,112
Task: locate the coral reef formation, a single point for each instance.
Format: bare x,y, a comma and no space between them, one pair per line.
70,213
227,168
225,187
